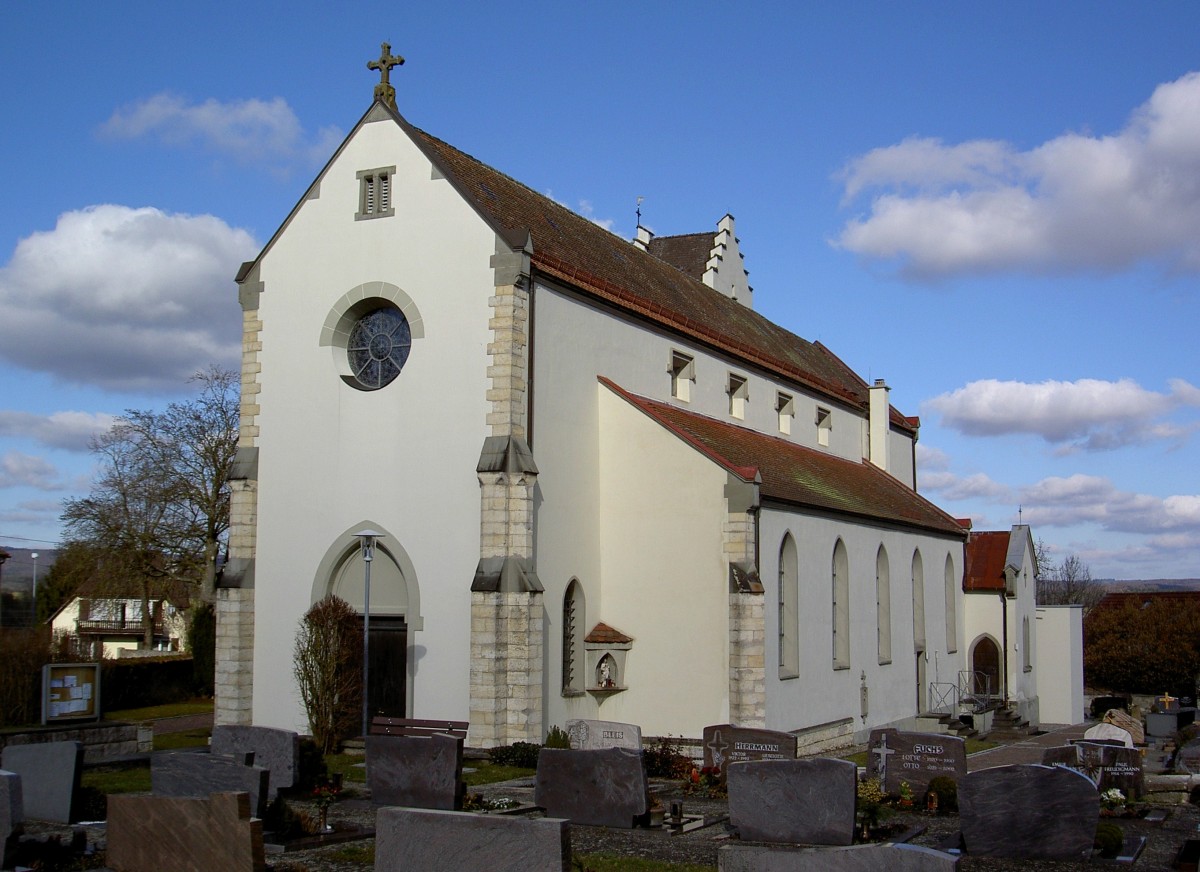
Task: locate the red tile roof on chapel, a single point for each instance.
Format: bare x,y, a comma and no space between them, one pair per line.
986,553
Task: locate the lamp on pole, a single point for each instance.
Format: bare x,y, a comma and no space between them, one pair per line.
4,555
33,613
367,542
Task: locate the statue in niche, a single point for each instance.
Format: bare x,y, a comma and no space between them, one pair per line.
605,673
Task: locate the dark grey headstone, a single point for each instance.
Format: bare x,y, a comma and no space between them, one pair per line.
50,774
606,788
588,735
1028,813
795,801
860,858
409,838
725,743
198,776
12,813
275,750
1107,765
916,758
416,771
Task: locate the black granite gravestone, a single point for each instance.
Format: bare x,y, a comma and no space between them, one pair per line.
416,771
186,774
914,758
793,801
602,788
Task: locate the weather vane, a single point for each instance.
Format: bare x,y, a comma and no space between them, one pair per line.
384,92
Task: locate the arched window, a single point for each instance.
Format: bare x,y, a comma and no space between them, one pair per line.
883,605
789,616
918,598
572,638
951,608
841,607
1026,646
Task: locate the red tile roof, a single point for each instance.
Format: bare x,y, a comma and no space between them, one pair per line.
797,475
603,634
986,553
573,249
689,253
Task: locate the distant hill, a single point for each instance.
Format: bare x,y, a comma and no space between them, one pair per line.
1163,584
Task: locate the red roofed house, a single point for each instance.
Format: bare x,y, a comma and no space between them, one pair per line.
606,486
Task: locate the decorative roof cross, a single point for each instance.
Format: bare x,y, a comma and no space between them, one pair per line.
384,90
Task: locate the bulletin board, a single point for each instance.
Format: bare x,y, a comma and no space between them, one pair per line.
70,692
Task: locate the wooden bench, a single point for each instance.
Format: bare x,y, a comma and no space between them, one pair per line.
382,726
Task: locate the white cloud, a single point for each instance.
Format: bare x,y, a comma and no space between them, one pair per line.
1075,203
1079,499
1088,414
121,298
72,431
25,470
250,131
953,487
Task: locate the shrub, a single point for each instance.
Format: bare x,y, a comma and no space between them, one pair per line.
665,760
946,789
312,769
22,655
1109,839
327,661
557,738
202,640
522,754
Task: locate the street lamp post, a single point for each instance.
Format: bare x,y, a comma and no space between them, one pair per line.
33,612
367,542
4,555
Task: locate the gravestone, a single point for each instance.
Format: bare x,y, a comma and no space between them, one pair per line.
410,838
726,743
916,758
12,813
1106,765
793,801
184,834
597,735
416,771
187,774
859,858
1028,812
605,788
277,751
1188,758
1119,718
1102,704
50,773
1109,732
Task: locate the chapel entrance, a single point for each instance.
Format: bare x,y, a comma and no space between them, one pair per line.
985,668
387,672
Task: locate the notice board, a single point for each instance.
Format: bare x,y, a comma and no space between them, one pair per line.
70,692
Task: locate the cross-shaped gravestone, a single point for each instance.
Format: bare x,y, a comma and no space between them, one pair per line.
883,752
384,90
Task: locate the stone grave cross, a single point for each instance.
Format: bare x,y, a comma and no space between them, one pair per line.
883,752
719,746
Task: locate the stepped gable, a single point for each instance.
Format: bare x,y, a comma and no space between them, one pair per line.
796,474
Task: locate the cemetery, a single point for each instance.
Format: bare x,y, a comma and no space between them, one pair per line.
1076,797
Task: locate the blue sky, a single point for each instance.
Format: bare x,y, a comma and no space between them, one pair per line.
994,207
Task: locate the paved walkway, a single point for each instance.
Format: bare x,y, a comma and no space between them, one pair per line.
1027,750
183,723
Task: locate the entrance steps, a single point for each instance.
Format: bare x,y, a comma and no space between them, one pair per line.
941,722
1009,727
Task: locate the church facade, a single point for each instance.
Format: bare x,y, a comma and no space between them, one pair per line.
605,487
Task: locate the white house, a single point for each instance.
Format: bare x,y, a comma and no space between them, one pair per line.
606,486
105,619
1000,628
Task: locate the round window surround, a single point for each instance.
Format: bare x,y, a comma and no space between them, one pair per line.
378,347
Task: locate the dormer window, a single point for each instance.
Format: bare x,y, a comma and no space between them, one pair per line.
824,425
375,193
683,375
737,396
785,408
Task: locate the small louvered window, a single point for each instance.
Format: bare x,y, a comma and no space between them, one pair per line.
375,193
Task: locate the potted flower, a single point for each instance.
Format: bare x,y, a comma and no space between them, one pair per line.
323,796
1112,801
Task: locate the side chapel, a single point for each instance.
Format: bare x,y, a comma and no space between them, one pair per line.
605,486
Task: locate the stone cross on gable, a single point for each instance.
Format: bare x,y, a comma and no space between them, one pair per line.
384,90
883,752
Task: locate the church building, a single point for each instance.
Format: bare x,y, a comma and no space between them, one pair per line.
603,486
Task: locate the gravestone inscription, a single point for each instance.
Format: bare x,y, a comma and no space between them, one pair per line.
586,735
915,758
1028,812
725,743
793,801
1106,765
50,773
606,788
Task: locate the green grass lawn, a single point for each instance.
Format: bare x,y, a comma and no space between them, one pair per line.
171,710
118,779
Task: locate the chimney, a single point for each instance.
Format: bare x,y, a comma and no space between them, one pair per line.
643,238
879,424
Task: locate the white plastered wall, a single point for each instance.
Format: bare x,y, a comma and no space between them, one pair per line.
401,459
1060,664
822,695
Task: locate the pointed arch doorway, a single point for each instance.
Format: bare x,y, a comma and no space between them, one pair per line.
395,614
985,667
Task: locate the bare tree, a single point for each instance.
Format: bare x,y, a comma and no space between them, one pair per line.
1066,583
